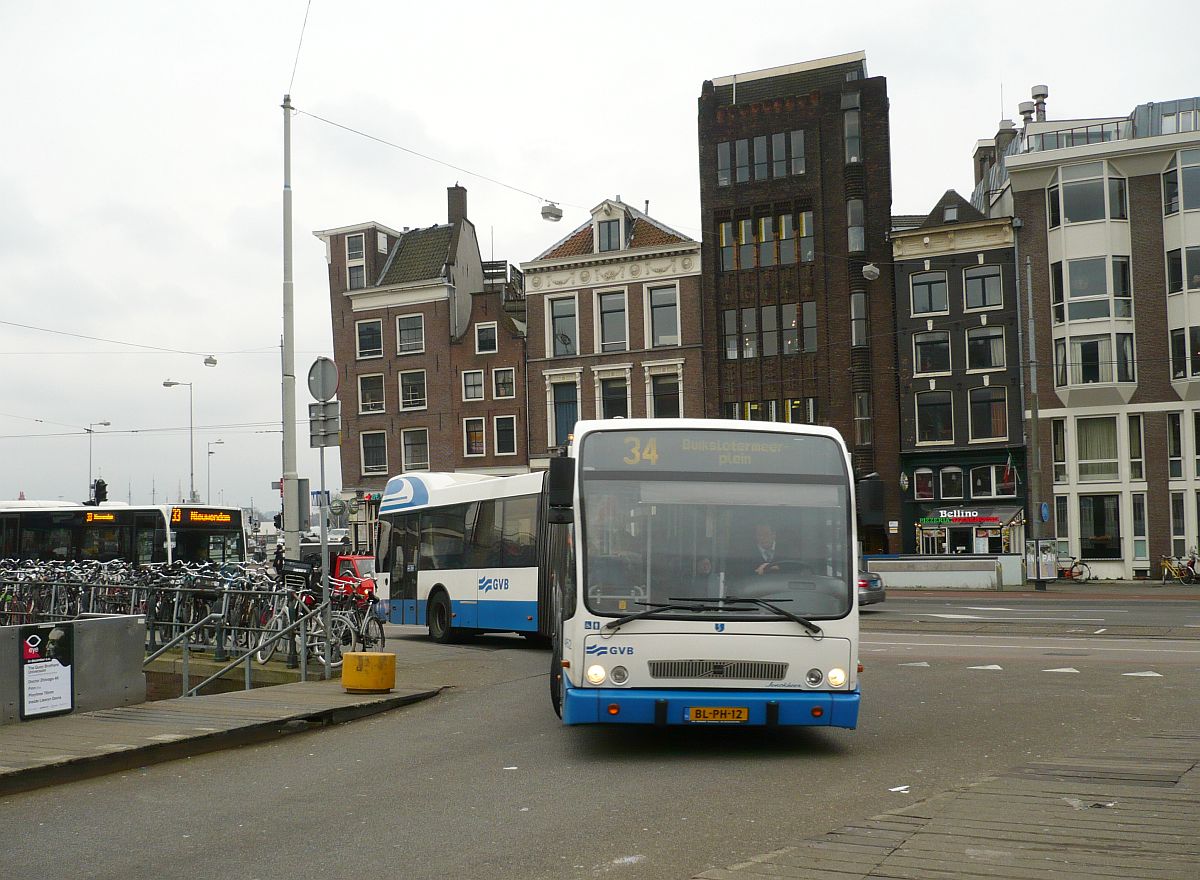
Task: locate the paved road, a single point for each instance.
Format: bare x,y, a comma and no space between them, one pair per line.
1087,612
484,782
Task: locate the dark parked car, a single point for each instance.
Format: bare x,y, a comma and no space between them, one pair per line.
870,588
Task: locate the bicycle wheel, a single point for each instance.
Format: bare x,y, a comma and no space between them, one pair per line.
372,638
341,639
266,647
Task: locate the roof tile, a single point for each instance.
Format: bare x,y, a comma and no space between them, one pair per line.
419,254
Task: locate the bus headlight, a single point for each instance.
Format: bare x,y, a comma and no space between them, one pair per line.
619,674
837,677
814,677
595,674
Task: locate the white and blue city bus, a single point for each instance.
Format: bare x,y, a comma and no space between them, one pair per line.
713,578
463,553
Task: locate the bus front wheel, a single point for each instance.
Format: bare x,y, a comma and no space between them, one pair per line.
439,614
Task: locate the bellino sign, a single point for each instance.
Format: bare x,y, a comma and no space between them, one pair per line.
959,516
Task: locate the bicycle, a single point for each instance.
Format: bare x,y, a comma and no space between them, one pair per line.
291,607
357,605
1176,569
1078,570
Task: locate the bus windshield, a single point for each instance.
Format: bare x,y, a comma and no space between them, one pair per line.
764,518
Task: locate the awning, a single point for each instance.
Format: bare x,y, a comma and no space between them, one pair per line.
942,516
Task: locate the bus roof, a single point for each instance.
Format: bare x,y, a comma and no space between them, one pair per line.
414,491
583,426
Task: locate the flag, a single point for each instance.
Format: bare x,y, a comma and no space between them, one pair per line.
1009,471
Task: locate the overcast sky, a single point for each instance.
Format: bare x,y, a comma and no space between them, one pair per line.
140,187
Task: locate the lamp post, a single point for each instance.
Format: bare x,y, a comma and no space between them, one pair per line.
90,431
211,444
169,383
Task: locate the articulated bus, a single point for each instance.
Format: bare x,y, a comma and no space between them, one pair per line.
464,553
713,575
138,534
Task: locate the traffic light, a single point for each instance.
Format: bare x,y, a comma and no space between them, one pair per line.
279,520
101,491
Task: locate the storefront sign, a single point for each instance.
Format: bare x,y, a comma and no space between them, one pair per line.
47,680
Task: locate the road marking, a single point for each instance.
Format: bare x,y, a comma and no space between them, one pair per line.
1063,669
974,608
998,619
1137,650
992,667
1146,674
1101,630
957,616
922,663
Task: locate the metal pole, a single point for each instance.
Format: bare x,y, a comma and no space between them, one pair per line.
191,446
1034,450
291,505
90,432
326,615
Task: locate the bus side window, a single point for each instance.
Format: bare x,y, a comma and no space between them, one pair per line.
520,514
484,550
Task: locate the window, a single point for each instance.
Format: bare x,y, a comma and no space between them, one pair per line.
770,331
1062,524
725,235
412,390
935,417
1097,448
856,239
506,434
1189,162
863,435
852,130
1087,289
612,321
614,399
1052,203
730,327
474,444
472,385
801,410
993,481
989,413
1175,445
1083,192
1196,438
410,334
1174,271
749,333
354,247
952,482
983,287
1058,442
1100,526
1060,362
985,348
950,213
381,242
664,316
1140,547
723,164
797,152
1056,292
923,484
807,236
370,393
504,383
1125,361
1136,470
791,331
373,446
565,411
485,338
760,410
808,312
1170,181
1191,278
931,352
787,240
610,235
1121,290
1117,203
766,241
563,327
779,156
929,294
356,272
416,449
356,277
760,157
858,318
745,244
665,391
370,338
742,161
1091,360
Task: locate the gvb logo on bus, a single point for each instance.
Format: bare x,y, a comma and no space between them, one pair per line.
487,584
604,650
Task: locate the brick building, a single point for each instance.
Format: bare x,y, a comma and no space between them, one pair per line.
959,367
795,195
614,326
1110,220
429,343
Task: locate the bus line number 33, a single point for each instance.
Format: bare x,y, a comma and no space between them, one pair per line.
639,454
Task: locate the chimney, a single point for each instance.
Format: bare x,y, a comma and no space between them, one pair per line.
1005,136
1039,95
456,204
1026,108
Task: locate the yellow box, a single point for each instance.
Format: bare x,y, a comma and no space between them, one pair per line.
368,672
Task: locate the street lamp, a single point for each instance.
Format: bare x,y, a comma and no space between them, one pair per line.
211,444
169,383
90,432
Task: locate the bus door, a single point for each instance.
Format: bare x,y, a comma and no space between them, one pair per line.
406,539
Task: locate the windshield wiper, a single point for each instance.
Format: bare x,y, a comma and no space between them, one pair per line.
812,628
656,608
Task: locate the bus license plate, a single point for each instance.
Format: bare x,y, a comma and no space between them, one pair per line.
719,714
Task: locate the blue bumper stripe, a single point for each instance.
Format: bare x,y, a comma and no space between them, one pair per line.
591,706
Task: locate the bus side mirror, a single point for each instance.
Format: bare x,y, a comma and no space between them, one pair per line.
560,491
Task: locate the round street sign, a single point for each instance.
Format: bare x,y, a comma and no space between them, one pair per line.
323,379
337,506
352,505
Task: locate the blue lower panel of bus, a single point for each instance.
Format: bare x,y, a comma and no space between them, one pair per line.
498,616
760,708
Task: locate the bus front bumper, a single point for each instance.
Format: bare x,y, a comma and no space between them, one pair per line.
675,707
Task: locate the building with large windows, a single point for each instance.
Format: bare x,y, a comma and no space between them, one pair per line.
429,344
614,326
1110,214
795,196
961,432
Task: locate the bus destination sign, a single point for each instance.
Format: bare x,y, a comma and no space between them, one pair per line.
188,516
710,451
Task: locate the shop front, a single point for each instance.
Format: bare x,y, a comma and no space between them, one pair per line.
942,531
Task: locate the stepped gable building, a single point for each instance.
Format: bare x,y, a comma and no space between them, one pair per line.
1109,212
429,343
961,429
795,196
614,326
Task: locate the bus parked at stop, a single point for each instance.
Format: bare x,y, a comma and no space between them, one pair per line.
709,575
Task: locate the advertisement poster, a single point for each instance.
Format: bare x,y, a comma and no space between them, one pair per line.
47,679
